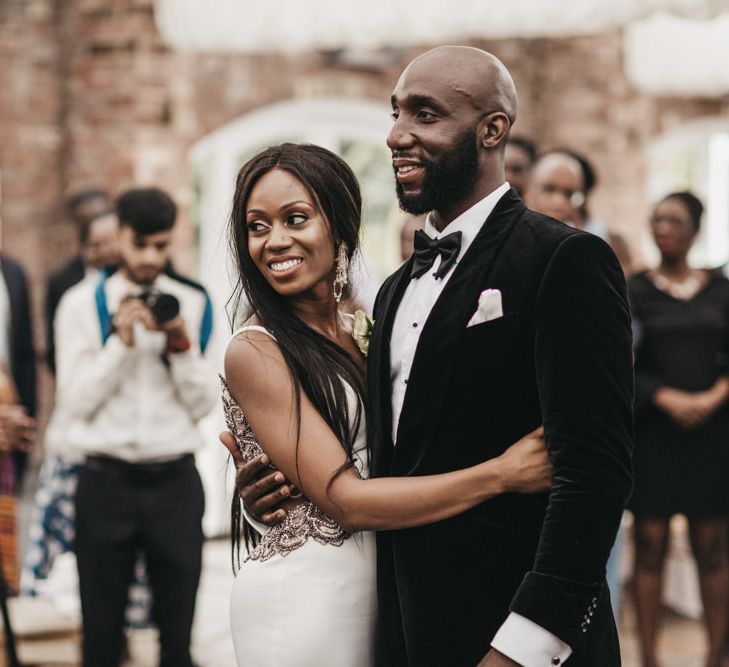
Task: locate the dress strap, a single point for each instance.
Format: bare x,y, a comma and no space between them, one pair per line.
254,327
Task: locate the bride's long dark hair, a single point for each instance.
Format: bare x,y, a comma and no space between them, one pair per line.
318,367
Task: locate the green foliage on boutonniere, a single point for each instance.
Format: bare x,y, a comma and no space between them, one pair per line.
362,330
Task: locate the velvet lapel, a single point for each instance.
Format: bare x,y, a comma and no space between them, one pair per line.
446,324
378,368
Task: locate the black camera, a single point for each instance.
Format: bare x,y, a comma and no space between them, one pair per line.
164,307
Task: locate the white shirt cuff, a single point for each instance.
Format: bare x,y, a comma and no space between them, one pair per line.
529,644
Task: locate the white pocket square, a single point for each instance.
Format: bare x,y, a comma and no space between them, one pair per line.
489,308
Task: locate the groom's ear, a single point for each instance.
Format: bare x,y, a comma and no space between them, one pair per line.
493,129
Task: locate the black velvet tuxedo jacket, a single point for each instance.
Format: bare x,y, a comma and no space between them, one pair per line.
59,282
559,356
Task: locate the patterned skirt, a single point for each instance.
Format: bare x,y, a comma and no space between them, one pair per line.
8,522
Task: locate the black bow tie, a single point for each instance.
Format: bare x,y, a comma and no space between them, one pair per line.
427,249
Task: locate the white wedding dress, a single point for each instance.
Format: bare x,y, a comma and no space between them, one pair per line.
306,595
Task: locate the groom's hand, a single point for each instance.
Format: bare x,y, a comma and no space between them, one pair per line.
495,659
261,488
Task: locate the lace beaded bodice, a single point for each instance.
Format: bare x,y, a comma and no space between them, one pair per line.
303,521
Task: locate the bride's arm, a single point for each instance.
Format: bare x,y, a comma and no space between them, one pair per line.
260,382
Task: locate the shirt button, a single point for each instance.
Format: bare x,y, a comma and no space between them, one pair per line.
556,661
415,325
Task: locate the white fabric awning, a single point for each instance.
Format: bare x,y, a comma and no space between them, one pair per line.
300,25
670,55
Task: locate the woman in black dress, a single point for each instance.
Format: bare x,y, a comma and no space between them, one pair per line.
681,318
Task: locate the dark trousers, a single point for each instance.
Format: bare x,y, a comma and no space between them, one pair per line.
122,509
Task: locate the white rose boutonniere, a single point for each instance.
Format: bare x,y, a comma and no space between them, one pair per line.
362,330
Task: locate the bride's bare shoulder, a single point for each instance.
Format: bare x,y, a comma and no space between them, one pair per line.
253,358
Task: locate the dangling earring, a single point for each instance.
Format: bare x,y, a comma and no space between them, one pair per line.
341,277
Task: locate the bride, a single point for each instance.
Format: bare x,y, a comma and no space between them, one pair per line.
294,391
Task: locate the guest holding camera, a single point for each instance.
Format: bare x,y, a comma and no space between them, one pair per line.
681,318
132,373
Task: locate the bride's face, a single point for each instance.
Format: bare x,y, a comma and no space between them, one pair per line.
289,239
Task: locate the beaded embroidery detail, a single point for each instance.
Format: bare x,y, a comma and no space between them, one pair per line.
303,521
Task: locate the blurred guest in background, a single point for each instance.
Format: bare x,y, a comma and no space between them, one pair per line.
17,431
560,185
51,531
518,162
16,350
593,224
557,187
17,404
681,316
132,375
97,249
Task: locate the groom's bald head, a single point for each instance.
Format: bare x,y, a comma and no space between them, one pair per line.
477,76
453,109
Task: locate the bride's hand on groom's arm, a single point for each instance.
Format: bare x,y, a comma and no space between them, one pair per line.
262,489
525,466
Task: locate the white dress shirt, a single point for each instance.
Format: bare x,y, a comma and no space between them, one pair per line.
125,402
422,293
518,638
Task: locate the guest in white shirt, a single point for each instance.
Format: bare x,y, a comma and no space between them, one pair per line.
51,532
132,375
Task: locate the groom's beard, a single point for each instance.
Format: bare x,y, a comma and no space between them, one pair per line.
446,181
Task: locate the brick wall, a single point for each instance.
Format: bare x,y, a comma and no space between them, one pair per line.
89,94
31,133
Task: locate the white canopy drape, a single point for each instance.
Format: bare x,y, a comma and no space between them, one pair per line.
670,55
671,46
296,25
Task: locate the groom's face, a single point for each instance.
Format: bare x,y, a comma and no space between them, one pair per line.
433,141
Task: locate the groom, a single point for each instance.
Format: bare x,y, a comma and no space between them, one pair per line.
502,320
